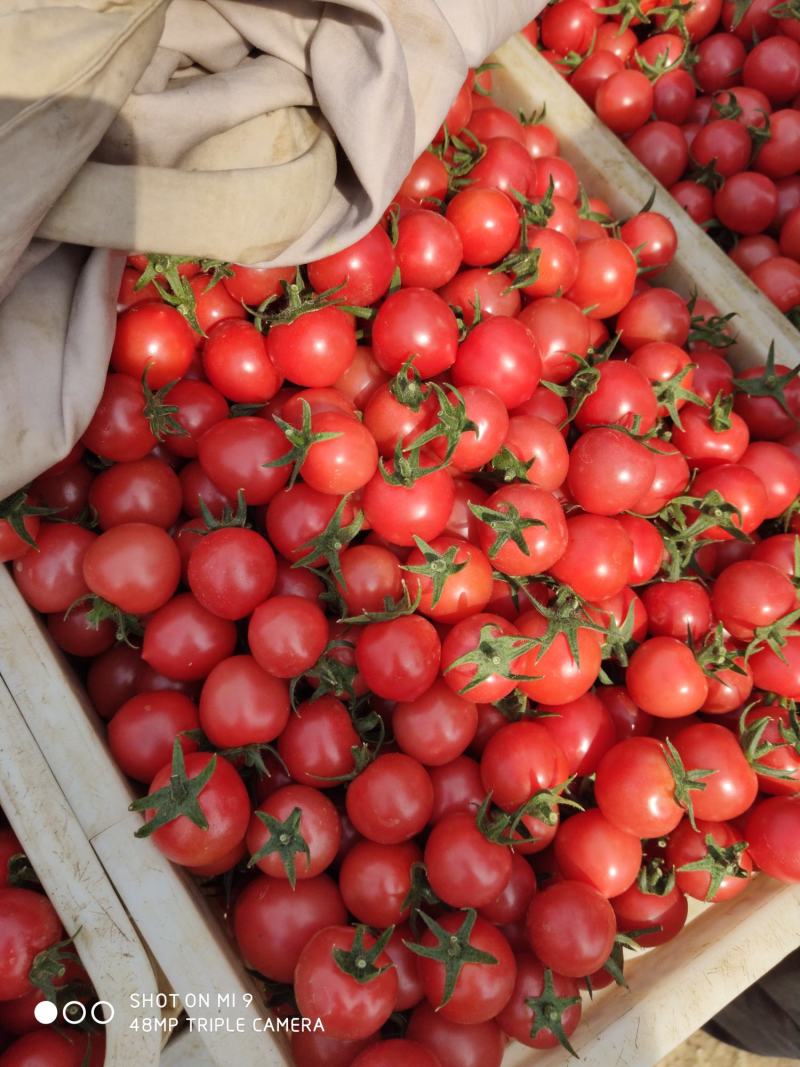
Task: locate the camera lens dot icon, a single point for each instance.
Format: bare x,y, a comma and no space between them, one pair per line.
45,1012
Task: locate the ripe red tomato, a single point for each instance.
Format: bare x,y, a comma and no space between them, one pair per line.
363,270
273,922
236,361
415,322
609,471
391,799
773,831
134,566
624,101
643,905
156,338
635,788
349,1007
287,635
730,874
436,727
665,679
487,223
732,787
464,868
482,989
225,806
28,926
525,1017
598,560
317,744
142,733
399,659
52,579
375,881
294,834
239,453
467,1044
590,849
184,641
500,354
571,928
241,704
314,349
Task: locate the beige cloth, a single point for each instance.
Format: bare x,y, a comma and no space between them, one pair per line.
248,130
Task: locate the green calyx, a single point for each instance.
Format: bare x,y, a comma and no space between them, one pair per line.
359,962
227,520
127,626
159,414
686,782
16,508
671,392
508,525
301,440
771,383
179,797
495,655
50,966
654,880
438,566
285,840
547,1012
452,950
719,863
330,542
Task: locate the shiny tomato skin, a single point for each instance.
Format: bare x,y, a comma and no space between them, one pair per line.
142,491
487,223
661,147
520,760
397,513
142,733
184,641
465,870
360,273
500,354
376,879
428,250
739,486
233,453
224,803
628,466
590,849
463,593
584,731
236,361
319,826
773,831
119,430
664,678
558,676
156,338
733,786
637,910
571,928
316,744
545,542
479,286
415,322
467,1044
598,559
399,659
635,789
518,1020
624,101
315,349
272,922
677,608
52,578
231,571
241,704
28,926
457,786
436,727
391,799
622,393
687,845
287,635
536,440
348,1009
482,989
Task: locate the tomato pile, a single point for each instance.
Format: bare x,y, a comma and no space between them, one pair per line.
441,597
37,963
706,96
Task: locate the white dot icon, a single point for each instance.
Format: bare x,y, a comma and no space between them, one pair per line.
45,1012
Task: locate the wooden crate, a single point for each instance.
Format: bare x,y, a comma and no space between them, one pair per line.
78,887
674,988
